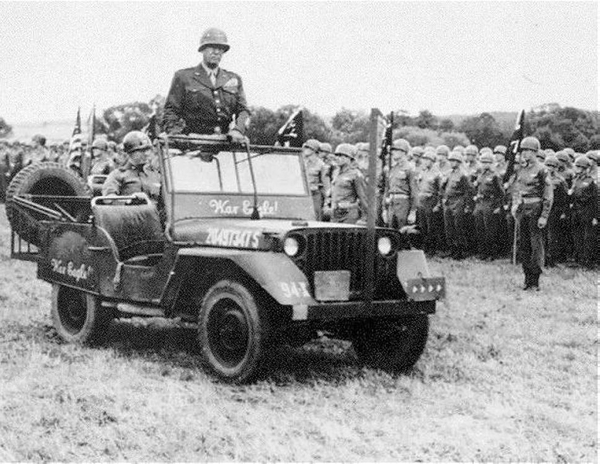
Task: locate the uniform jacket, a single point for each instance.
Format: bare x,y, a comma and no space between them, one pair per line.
128,179
429,187
457,190
584,195
348,190
560,201
194,105
316,172
403,180
489,188
533,181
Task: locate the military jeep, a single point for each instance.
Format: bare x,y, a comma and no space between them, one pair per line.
233,249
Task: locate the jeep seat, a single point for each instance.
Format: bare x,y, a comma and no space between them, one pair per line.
135,228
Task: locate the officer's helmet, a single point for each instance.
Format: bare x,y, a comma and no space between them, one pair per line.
551,160
500,149
100,144
346,149
325,148
530,143
213,37
401,145
487,157
460,149
313,144
471,150
582,162
136,140
455,156
563,156
443,150
429,154
418,152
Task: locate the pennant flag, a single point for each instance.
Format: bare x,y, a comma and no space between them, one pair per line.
514,145
291,134
77,128
151,129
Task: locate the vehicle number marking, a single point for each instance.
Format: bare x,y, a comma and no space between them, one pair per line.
238,238
297,289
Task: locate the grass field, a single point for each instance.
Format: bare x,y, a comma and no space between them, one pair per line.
506,376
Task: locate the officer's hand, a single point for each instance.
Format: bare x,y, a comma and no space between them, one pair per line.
496,211
542,222
236,136
594,222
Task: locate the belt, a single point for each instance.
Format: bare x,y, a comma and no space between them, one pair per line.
399,195
530,200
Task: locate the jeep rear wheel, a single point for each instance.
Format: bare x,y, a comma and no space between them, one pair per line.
391,345
232,332
78,317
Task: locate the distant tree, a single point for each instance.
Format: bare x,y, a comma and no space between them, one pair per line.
595,142
349,126
483,130
452,139
264,125
425,120
121,119
445,125
5,128
422,137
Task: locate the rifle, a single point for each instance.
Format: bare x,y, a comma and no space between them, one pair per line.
386,161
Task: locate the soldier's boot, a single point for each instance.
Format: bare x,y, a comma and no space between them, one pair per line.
527,284
535,282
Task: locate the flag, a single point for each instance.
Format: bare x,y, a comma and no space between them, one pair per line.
77,128
74,159
291,134
151,129
514,145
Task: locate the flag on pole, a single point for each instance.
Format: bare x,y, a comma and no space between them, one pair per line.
151,129
74,159
514,145
291,134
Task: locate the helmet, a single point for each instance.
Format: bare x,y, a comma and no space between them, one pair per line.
592,156
563,156
346,149
362,146
313,144
213,36
100,144
530,143
443,150
136,140
582,162
401,145
429,154
500,149
325,147
570,152
419,151
460,149
549,151
541,155
485,150
551,160
487,157
456,155
471,150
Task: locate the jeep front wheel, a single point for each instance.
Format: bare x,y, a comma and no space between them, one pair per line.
78,317
232,332
391,345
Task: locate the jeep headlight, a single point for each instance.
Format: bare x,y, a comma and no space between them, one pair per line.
291,246
384,245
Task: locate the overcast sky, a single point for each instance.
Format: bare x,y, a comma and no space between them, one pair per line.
450,57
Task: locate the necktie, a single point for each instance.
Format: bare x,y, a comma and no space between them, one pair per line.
213,78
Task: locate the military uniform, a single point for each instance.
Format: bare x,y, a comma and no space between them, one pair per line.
196,105
318,182
584,209
557,220
429,203
532,199
402,194
129,179
487,213
457,200
348,196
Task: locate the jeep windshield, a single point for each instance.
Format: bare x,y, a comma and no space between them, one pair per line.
229,172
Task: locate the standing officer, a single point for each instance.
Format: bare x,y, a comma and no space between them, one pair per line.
584,206
429,201
402,186
457,197
348,192
558,214
207,99
134,176
488,208
531,205
316,172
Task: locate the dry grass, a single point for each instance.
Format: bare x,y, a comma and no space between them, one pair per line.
506,376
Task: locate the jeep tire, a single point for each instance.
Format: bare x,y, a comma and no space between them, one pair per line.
40,179
232,332
78,317
391,345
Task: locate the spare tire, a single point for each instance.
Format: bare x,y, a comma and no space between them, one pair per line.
43,179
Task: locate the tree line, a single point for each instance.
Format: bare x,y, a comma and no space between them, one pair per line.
556,127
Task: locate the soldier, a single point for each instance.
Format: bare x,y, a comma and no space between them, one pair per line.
101,162
500,155
316,172
207,99
416,157
584,212
442,159
531,204
472,169
401,195
362,158
488,208
429,201
134,177
558,214
348,195
456,199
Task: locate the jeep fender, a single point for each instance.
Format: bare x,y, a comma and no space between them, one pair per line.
274,272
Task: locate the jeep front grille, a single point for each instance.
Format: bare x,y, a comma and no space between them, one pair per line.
333,250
